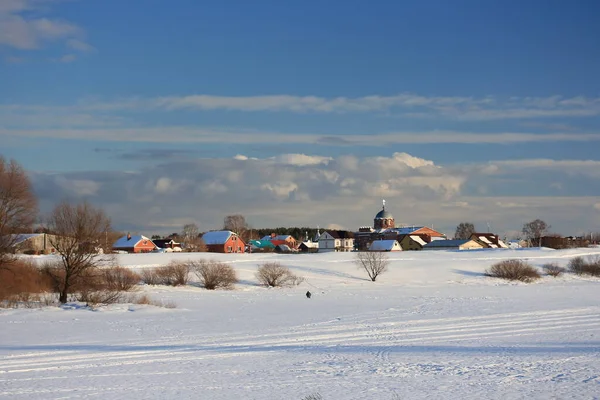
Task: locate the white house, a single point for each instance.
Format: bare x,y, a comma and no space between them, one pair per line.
336,241
385,245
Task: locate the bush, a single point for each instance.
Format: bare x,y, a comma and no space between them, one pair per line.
150,276
120,279
315,396
274,274
514,270
20,280
553,270
589,266
214,275
577,265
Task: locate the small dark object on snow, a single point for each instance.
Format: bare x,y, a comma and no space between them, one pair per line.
308,294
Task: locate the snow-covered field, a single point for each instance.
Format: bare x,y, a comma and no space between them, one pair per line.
433,327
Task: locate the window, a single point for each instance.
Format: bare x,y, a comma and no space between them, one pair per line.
229,249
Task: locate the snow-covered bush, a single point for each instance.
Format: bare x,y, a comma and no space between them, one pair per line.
588,266
553,270
274,274
214,275
176,273
514,270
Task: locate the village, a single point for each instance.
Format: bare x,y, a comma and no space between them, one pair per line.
383,236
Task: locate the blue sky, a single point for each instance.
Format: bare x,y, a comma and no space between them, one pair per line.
307,112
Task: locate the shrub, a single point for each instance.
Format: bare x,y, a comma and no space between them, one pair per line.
105,286
514,270
553,269
150,276
214,275
274,274
588,266
315,396
176,273
120,279
577,265
22,283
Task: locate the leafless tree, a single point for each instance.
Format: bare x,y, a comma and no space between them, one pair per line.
534,231
191,238
18,207
374,263
236,223
79,231
464,230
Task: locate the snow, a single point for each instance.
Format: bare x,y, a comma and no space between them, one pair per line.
418,239
385,245
129,241
432,327
216,237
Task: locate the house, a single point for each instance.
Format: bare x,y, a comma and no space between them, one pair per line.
284,248
385,245
457,244
489,240
414,242
260,246
309,247
287,240
223,242
558,242
169,245
333,240
134,244
33,243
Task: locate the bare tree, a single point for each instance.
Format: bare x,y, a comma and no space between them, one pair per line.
236,223
534,231
374,263
18,207
464,230
79,233
191,238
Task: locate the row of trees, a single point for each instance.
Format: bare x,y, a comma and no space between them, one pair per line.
79,231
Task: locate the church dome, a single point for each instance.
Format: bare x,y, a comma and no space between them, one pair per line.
383,214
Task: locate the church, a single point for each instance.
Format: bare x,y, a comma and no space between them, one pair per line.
384,228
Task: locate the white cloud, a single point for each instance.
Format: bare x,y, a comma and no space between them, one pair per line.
270,194
407,104
22,31
301,159
85,127
68,58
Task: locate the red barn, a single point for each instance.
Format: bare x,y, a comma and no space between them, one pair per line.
223,242
134,244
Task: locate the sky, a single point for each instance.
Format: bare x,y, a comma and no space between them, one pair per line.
307,113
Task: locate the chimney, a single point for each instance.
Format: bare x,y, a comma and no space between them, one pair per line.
129,236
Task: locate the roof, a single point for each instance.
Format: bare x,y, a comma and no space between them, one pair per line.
283,248
278,237
21,237
341,234
383,245
164,242
447,243
406,230
128,241
310,245
261,244
217,237
384,214
418,239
